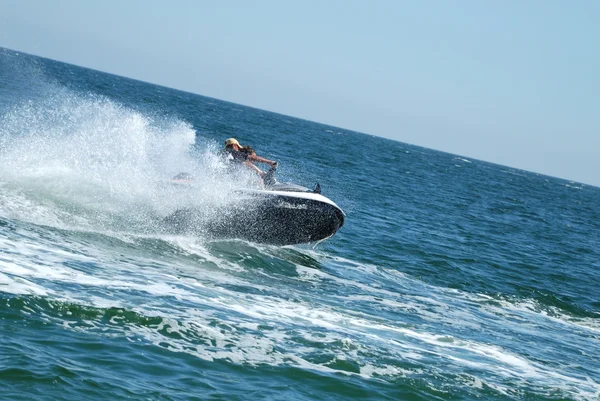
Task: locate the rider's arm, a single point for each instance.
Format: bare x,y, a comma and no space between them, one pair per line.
259,159
252,166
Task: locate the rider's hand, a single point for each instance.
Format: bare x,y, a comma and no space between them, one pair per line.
274,164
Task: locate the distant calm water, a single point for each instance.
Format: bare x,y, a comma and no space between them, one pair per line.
452,279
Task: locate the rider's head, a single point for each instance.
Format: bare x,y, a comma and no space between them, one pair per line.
232,143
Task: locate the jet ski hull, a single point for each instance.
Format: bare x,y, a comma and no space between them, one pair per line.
268,217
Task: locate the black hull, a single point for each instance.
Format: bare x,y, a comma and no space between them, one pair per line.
264,218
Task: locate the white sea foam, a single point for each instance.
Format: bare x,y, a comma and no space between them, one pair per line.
20,286
84,162
240,336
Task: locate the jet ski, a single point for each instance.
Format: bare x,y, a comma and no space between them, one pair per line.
279,214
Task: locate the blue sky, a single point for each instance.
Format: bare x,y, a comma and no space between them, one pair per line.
511,82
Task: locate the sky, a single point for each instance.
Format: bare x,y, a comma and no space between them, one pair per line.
514,82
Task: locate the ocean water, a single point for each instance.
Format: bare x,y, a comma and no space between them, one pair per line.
452,278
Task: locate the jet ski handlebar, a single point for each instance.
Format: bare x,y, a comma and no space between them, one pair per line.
269,177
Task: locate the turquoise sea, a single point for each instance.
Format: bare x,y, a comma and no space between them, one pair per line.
452,278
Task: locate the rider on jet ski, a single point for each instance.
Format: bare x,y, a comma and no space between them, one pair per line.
237,154
245,155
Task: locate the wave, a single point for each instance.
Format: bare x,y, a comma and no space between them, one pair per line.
235,303
85,162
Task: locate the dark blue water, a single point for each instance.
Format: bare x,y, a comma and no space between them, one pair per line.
452,279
